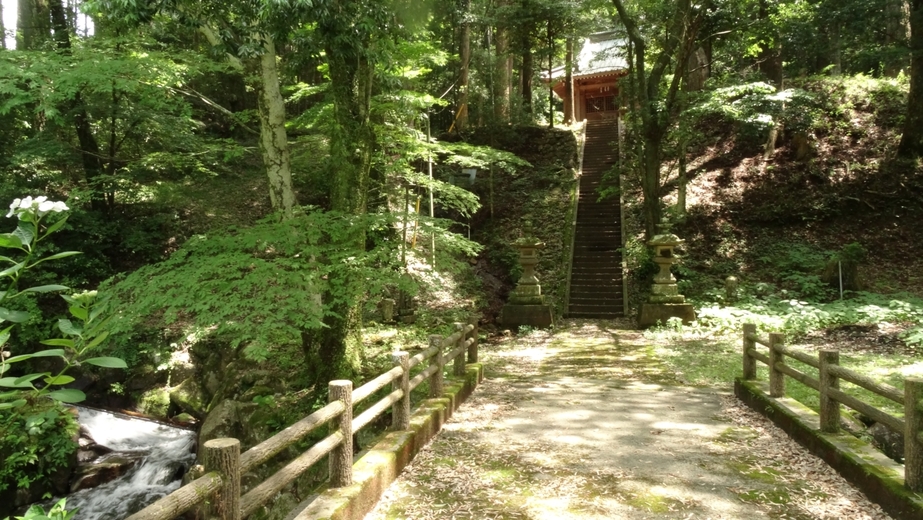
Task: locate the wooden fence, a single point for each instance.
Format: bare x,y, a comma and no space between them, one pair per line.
220,486
828,385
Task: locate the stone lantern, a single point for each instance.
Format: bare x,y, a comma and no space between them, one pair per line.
526,305
665,301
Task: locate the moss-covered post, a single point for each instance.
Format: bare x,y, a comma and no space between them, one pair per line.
776,377
223,456
400,411
458,364
829,407
435,381
341,457
749,345
913,436
473,347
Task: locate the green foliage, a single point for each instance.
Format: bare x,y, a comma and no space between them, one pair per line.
35,440
83,337
795,318
258,289
57,512
754,108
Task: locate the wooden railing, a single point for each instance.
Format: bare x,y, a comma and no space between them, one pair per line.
827,384
220,486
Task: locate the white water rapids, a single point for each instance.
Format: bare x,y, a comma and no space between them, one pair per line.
165,450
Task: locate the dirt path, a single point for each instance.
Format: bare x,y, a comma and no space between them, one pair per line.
584,424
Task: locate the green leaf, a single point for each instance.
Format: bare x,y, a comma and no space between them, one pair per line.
41,353
68,395
10,382
56,256
97,340
4,336
107,362
10,241
12,404
25,231
28,378
59,342
59,380
12,270
56,226
46,288
78,312
69,328
13,316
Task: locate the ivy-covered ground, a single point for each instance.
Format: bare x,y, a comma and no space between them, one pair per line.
590,421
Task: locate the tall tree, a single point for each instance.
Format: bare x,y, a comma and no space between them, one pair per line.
503,65
912,139
657,112
33,24
464,58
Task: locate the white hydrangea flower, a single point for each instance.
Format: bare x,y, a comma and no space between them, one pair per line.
13,207
39,206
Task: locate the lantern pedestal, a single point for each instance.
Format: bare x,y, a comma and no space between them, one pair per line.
652,313
665,301
526,305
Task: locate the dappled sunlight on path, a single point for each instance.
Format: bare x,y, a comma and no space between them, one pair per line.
585,423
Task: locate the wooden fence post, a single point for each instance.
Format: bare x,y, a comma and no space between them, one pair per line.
223,456
341,457
913,436
776,378
829,407
435,382
400,411
473,347
749,344
458,365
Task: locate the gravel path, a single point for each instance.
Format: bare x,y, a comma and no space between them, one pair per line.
580,424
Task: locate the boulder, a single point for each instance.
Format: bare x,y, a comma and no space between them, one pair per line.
105,469
890,442
188,397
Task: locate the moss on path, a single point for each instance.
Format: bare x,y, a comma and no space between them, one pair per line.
586,423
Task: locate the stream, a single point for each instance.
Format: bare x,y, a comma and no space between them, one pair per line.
164,451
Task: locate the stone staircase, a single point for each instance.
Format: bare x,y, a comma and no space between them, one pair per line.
596,267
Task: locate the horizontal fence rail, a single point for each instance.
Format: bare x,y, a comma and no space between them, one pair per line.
218,490
827,384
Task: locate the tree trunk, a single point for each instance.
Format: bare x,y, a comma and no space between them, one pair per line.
657,111
2,29
338,346
464,55
550,35
89,147
525,75
273,137
771,52
650,184
569,82
897,33
33,25
502,73
912,141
